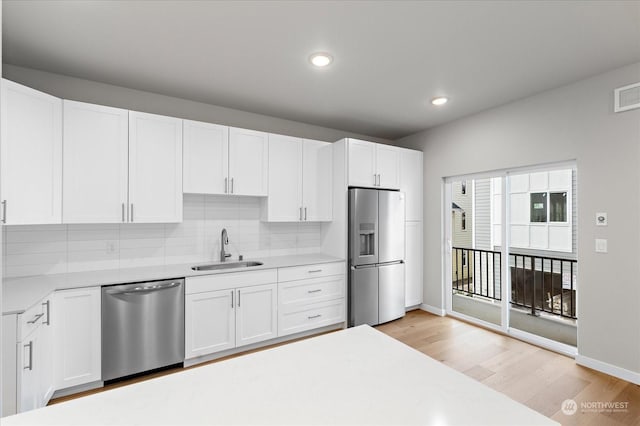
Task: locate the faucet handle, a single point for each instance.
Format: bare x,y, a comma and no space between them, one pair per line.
227,255
240,257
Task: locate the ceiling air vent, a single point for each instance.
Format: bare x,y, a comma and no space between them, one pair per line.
626,98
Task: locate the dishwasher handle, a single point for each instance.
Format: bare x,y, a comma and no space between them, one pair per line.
139,289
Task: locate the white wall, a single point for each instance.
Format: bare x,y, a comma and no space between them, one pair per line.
50,249
121,97
572,122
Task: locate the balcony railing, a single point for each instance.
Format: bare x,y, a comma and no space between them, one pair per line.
538,283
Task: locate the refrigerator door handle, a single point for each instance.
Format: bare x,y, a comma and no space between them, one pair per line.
395,262
372,265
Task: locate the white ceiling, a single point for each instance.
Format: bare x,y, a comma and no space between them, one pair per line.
391,57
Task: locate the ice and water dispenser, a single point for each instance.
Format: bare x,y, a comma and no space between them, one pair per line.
367,239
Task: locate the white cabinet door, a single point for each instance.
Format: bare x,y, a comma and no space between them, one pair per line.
155,168
31,155
209,322
284,202
205,158
411,183
77,336
256,314
414,262
248,162
45,355
317,180
388,166
95,163
29,370
362,163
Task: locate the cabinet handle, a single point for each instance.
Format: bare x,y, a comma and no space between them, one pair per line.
238,298
48,305
226,185
305,213
378,179
315,270
4,211
131,212
375,179
315,316
232,298
232,185
35,319
315,291
30,346
123,212
300,213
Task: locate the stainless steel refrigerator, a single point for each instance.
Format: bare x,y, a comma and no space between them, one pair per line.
376,256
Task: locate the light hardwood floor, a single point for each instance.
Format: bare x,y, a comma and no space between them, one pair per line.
538,378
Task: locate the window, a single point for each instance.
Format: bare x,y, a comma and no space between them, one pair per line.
463,187
553,202
464,221
557,207
538,207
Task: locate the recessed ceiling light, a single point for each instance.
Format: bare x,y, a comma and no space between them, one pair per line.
439,101
321,59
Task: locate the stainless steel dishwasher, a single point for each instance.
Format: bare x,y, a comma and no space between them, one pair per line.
142,327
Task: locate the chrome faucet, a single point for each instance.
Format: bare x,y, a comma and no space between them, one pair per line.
224,240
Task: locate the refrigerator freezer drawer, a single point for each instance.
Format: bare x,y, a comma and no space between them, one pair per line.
363,296
391,292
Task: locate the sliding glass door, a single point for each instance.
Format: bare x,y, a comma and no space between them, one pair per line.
511,260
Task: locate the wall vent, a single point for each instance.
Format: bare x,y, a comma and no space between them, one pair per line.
626,98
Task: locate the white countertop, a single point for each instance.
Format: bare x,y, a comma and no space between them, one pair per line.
19,294
354,376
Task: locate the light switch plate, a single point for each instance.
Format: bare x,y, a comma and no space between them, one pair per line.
601,245
601,219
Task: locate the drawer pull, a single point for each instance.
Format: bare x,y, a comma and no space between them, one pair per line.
315,270
35,319
315,316
315,291
30,346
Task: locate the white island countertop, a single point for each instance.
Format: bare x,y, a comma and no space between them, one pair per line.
19,294
357,376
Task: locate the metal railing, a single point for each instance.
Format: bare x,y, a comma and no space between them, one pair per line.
538,283
544,284
477,272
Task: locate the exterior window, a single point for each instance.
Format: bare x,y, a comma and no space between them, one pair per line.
463,187
538,207
464,221
557,207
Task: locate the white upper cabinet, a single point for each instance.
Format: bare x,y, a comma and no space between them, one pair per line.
362,163
388,166
155,168
206,158
248,162
317,180
374,165
95,163
300,180
411,183
285,179
31,156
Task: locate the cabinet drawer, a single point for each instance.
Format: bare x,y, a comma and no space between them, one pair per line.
232,280
311,291
311,316
31,319
310,271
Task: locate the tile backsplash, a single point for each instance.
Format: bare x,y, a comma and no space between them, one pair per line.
51,249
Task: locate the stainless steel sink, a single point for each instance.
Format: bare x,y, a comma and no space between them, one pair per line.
229,265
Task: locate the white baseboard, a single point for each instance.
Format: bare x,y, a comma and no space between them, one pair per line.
432,309
612,370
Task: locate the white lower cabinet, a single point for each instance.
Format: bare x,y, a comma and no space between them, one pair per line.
219,318
413,261
310,296
78,337
27,366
